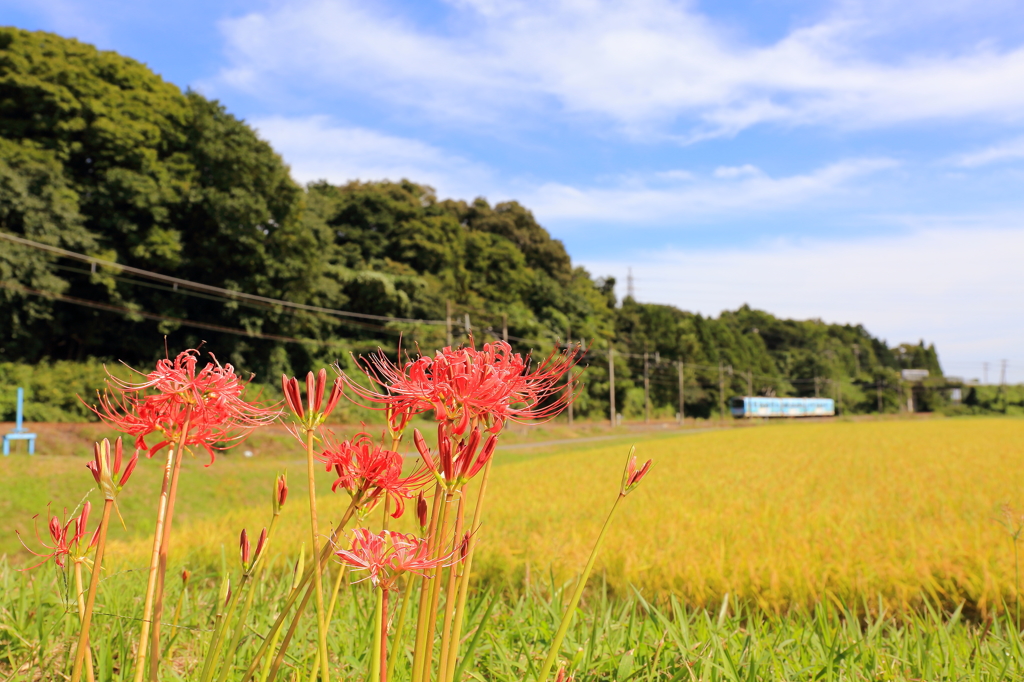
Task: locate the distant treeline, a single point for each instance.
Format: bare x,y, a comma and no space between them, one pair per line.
98,155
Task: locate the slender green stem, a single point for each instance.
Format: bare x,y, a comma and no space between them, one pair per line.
378,636
94,584
218,637
279,659
165,542
154,564
275,630
570,609
396,644
154,561
419,646
218,627
265,672
435,589
342,572
466,569
236,637
318,587
450,592
80,591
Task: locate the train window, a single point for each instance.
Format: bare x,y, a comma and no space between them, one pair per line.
737,403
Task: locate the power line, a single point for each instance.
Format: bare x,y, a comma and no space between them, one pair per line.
165,318
228,293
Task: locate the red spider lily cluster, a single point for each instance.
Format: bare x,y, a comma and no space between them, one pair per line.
368,471
66,537
472,394
207,404
388,554
464,386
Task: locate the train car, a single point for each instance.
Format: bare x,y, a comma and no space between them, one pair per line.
760,406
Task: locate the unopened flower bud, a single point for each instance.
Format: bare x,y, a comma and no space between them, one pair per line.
464,547
185,575
311,394
632,476
421,509
335,396
260,544
290,387
243,543
225,590
280,492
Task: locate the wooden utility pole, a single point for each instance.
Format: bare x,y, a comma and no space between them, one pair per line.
682,393
448,320
611,383
568,381
816,382
839,394
1002,382
647,392
878,391
721,391
750,382
466,326
856,359
504,327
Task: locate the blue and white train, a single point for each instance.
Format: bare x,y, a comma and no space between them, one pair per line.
757,406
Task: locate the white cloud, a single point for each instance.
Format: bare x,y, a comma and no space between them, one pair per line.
731,191
316,149
643,64
942,281
1005,151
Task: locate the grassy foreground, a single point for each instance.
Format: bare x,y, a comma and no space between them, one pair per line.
869,513
611,639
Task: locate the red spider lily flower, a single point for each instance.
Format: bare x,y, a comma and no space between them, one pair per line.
631,476
316,386
369,471
66,537
105,470
211,400
389,554
467,386
457,462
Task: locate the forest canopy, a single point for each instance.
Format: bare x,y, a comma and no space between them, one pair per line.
100,156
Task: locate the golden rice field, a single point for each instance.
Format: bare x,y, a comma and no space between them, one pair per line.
866,513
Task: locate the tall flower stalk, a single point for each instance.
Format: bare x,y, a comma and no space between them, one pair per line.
307,423
105,468
472,394
185,405
631,477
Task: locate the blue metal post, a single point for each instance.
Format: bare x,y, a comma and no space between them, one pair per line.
19,416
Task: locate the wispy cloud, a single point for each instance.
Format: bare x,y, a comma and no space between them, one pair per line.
1007,150
730,191
953,282
646,66
318,149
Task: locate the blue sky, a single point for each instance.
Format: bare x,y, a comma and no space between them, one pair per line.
854,161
